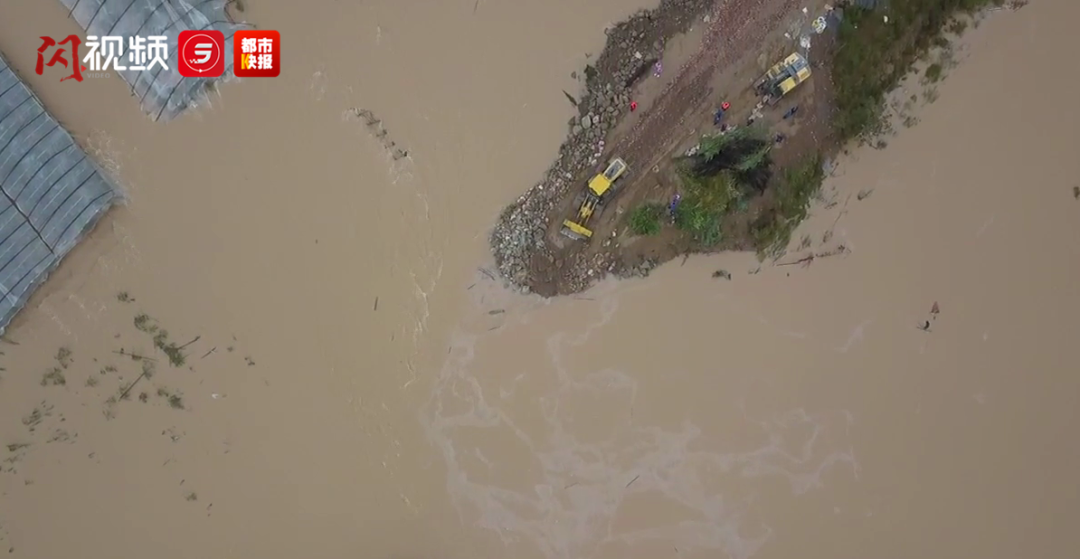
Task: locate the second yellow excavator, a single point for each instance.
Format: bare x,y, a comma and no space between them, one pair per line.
785,76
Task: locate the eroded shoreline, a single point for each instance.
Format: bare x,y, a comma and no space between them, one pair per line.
518,238
739,39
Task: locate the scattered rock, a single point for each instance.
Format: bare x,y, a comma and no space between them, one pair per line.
518,239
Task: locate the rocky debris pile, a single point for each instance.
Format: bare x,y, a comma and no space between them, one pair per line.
632,48
641,270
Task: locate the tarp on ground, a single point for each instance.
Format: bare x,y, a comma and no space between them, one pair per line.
51,193
162,94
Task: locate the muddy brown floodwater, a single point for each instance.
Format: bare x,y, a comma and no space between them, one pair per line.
356,388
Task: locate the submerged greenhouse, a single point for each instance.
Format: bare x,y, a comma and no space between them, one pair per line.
52,193
162,94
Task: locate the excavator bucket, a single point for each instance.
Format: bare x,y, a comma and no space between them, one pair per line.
576,231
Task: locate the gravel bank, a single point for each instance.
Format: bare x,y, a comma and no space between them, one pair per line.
518,239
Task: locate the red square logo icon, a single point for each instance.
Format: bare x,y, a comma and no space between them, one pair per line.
257,54
200,53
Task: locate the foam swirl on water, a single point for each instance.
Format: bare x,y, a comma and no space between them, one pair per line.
573,493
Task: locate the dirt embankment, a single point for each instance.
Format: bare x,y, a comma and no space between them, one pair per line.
519,240
731,36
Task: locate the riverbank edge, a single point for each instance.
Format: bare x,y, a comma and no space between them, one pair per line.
518,235
866,64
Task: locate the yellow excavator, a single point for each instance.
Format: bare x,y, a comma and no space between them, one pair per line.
785,76
590,202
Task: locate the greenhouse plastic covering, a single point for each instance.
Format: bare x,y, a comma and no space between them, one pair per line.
162,94
52,193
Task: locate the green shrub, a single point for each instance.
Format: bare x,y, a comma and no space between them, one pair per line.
791,201
645,219
873,54
933,72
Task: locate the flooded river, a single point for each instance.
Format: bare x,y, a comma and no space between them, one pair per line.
354,386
